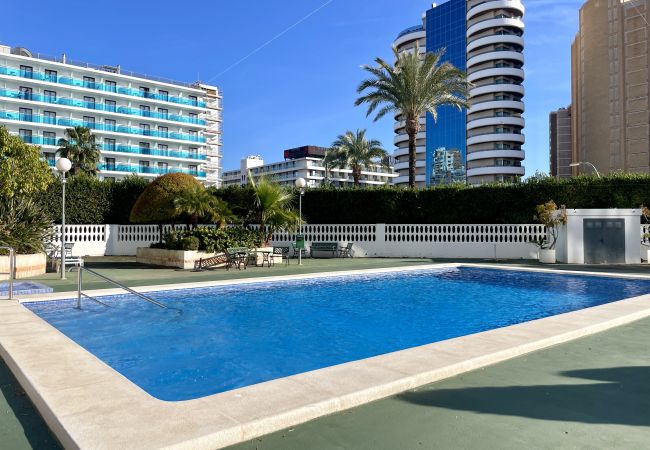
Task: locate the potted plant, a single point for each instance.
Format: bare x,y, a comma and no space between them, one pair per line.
551,217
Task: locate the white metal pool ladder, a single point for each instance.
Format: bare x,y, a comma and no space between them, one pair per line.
105,278
12,269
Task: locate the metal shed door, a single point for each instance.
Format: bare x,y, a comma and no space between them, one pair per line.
604,241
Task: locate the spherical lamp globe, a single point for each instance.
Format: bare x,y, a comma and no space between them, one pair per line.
63,165
301,183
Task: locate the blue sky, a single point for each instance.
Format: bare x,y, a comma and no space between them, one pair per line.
299,89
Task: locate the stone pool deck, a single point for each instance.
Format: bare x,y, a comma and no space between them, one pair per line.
542,396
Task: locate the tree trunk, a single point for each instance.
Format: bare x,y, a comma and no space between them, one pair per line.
160,230
356,175
412,128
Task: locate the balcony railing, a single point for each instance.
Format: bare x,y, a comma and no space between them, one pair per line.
38,140
12,115
98,106
98,86
132,168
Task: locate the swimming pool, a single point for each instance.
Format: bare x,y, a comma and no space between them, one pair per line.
233,336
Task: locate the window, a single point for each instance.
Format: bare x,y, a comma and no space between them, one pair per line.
89,122
49,138
194,100
50,96
193,169
145,129
144,91
144,166
164,113
25,135
26,72
25,114
109,163
110,105
162,166
50,158
163,132
194,152
194,135
194,118
109,144
145,148
50,75
49,117
109,124
90,102
25,93
89,82
162,147
111,86
145,110
164,95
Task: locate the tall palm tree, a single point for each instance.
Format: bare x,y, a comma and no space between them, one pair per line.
273,208
354,151
79,146
198,203
414,85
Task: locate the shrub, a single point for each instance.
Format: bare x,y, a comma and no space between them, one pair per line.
24,225
156,203
211,240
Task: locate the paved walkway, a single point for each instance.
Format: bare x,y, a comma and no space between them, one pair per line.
589,393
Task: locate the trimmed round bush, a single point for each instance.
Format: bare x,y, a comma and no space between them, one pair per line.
156,203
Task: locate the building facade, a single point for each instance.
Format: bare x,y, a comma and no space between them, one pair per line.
485,39
495,61
560,143
143,125
610,87
304,162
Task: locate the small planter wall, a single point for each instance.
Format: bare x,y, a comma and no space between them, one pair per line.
26,266
170,258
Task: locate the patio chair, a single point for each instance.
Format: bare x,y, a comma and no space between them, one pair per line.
295,250
280,252
70,259
346,252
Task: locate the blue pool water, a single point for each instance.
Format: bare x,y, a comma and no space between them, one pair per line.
234,336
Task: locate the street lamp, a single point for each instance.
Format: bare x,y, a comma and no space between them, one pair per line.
63,165
586,163
301,184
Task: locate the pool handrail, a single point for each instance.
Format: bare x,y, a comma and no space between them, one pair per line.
12,269
118,284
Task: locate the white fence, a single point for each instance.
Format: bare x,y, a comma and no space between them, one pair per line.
370,240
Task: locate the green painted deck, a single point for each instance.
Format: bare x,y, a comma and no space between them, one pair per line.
593,392
589,393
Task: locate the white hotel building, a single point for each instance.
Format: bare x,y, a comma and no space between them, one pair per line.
144,125
305,162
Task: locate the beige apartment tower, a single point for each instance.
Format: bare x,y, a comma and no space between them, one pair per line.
610,113
560,144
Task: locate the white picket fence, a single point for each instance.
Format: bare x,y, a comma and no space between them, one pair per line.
370,240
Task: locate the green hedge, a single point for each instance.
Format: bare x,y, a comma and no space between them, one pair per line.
93,201
498,204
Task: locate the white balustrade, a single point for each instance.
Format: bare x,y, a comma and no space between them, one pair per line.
370,240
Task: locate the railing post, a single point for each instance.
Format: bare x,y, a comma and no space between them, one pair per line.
12,270
79,272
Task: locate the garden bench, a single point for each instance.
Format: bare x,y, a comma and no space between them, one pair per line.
324,247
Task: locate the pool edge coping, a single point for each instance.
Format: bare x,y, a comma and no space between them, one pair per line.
286,401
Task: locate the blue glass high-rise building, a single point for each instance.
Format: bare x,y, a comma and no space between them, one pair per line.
446,30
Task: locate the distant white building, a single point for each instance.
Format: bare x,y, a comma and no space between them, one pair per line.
144,125
304,162
448,166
